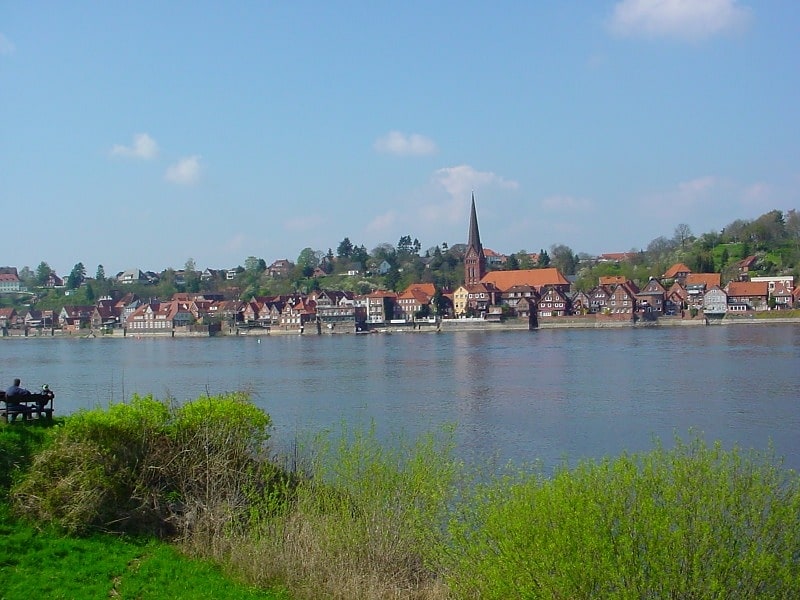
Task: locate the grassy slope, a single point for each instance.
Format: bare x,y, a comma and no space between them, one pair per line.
47,565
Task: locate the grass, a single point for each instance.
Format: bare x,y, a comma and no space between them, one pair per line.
47,564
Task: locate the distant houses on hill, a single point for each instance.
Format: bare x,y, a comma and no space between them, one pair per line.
532,295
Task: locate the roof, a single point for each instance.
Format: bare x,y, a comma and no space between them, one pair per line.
612,279
707,279
675,269
536,278
425,288
616,256
747,288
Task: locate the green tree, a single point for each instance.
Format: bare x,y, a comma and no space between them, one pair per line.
76,276
100,276
345,249
43,272
564,259
544,258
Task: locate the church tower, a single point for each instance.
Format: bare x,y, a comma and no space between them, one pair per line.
474,258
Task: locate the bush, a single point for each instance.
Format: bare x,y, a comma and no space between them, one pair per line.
147,466
367,523
693,522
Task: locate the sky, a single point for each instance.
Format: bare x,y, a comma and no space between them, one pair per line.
145,134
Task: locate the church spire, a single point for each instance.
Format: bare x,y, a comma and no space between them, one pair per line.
474,258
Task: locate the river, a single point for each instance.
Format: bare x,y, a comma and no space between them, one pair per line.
547,395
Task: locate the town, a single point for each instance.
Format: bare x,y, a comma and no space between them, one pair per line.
493,290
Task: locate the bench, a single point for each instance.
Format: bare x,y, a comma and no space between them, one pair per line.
27,407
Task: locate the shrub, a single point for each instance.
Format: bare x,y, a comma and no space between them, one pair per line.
368,522
692,522
148,466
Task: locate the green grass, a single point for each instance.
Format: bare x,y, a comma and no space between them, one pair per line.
46,564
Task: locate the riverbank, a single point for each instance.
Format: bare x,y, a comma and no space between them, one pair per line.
444,326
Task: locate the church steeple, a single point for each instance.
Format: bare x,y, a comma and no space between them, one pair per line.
474,258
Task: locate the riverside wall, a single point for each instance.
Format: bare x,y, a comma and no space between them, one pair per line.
445,325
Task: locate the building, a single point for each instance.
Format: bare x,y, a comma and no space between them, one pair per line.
474,258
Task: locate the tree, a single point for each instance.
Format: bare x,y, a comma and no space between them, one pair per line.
43,272
404,246
76,277
307,261
544,258
191,276
683,234
512,264
100,276
564,259
344,249
252,265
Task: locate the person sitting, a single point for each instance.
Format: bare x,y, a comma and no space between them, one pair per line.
13,394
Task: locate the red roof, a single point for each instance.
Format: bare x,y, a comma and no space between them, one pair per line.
536,278
675,269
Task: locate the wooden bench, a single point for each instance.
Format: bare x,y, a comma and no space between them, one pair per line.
27,407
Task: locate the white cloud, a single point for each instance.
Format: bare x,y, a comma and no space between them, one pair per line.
382,223
304,223
143,146
685,19
461,180
184,172
566,204
401,144
7,47
757,195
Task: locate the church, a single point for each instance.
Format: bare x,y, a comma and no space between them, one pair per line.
486,293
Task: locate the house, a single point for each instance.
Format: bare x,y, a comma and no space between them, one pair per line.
535,278
338,310
781,295
296,313
415,298
608,280
715,301
494,259
131,276
473,300
553,303
525,308
515,294
280,268
379,306
151,317
676,299
623,300
581,303
9,282
105,315
8,317
73,318
747,295
599,299
353,269
744,267
616,257
53,281
652,297
677,272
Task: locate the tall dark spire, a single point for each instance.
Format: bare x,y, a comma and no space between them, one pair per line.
474,235
474,258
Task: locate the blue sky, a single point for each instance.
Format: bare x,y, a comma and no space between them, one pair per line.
142,134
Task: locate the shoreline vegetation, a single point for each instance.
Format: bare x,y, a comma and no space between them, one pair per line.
149,484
